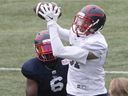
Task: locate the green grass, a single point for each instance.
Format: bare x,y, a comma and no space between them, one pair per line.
19,24
12,84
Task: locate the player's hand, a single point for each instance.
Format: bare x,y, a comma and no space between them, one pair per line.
48,11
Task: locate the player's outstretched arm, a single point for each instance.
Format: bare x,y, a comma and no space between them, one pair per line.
51,12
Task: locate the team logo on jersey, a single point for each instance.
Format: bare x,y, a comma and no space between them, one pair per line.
65,61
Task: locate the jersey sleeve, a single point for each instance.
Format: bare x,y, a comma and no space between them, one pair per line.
28,70
70,52
63,33
97,48
97,45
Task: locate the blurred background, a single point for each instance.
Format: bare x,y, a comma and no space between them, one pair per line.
19,25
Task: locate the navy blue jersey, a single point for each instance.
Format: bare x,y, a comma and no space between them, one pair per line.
51,82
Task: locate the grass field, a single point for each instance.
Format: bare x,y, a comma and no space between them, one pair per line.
19,24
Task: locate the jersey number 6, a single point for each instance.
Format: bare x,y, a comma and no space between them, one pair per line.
56,84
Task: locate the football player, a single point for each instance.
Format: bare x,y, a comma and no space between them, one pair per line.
46,75
88,50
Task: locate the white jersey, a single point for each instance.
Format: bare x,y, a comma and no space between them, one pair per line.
85,77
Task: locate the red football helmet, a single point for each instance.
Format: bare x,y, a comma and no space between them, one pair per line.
43,46
88,20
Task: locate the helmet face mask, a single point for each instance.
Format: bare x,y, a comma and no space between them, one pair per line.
82,24
89,20
43,47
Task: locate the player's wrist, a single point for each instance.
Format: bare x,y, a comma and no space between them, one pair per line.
51,23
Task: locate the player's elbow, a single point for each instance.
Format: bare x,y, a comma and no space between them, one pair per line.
56,53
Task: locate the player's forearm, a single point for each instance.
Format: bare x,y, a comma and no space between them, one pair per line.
56,43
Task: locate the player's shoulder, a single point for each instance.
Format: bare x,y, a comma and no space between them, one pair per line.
97,40
31,66
31,63
100,39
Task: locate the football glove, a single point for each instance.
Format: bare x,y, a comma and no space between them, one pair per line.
48,11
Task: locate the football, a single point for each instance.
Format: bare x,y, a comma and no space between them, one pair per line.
37,8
